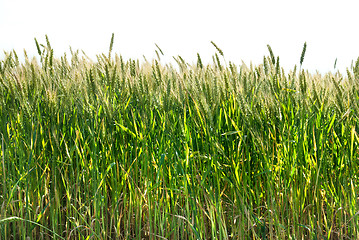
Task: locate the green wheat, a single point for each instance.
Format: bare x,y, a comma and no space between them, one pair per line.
118,149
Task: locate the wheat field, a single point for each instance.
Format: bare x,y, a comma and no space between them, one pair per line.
123,149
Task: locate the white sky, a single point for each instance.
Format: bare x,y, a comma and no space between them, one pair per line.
242,29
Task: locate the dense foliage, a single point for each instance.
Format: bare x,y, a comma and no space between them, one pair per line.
115,149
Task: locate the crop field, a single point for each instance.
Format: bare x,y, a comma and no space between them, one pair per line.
122,149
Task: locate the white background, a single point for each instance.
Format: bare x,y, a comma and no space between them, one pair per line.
242,29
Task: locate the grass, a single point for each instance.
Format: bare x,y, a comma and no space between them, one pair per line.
115,149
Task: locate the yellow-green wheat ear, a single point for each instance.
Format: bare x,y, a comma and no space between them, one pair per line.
271,54
111,45
216,59
265,65
277,67
356,68
199,61
159,49
303,53
48,42
38,47
158,56
218,49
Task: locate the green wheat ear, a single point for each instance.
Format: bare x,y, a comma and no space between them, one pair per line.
38,47
199,61
335,63
277,67
48,42
303,53
271,54
218,49
111,45
158,56
265,65
159,49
